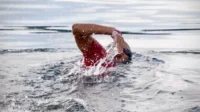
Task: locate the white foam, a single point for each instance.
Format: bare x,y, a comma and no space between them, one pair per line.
95,70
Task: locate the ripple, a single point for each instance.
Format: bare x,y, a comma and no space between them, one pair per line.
193,109
5,51
177,52
60,29
29,6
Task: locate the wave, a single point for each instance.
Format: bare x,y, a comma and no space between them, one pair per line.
178,29
4,51
177,52
67,29
32,50
60,29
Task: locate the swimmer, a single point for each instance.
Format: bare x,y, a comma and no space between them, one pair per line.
93,51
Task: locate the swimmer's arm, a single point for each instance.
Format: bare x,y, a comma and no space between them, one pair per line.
120,42
118,39
89,29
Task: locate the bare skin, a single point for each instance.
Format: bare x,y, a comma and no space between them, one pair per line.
83,38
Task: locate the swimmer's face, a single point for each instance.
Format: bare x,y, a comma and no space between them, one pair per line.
120,58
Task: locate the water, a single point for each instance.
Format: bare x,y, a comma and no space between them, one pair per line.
37,52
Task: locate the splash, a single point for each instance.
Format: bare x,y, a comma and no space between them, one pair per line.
80,69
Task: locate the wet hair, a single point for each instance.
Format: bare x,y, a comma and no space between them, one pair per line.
126,51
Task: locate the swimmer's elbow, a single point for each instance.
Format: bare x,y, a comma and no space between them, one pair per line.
76,29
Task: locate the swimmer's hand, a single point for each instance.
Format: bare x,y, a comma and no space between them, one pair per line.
115,33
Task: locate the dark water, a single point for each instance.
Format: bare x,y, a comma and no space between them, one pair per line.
37,52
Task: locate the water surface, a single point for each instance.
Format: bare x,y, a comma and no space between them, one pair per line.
37,51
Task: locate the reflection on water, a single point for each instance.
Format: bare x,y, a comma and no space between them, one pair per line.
37,52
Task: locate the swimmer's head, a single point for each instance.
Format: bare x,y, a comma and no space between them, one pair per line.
121,58
124,57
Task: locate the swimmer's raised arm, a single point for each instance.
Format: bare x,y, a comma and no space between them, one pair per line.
89,29
121,47
120,42
90,47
